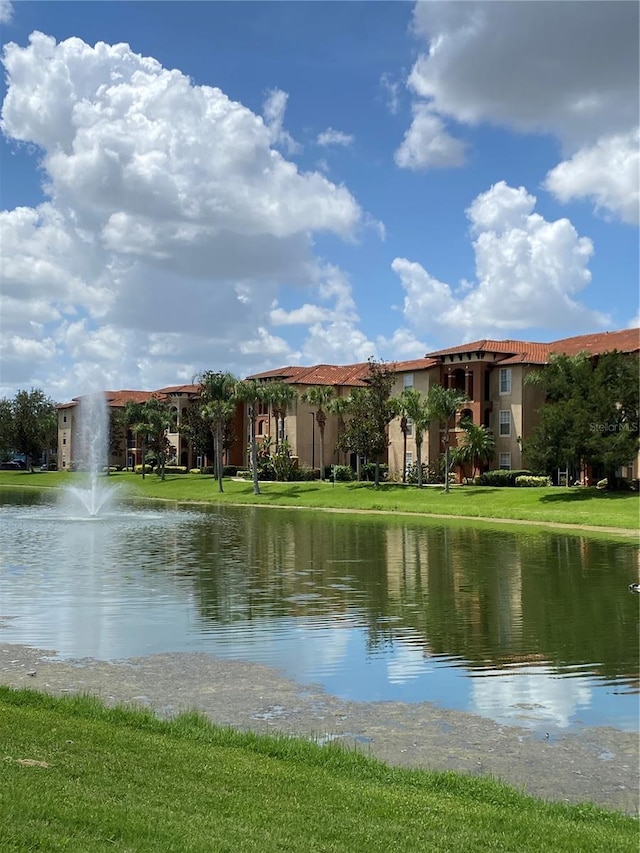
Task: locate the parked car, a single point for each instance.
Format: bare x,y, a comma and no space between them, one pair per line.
10,466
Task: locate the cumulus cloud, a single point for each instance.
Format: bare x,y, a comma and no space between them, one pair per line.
427,145
529,273
608,173
334,137
170,210
6,11
566,69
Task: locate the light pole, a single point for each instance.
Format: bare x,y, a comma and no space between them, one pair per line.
313,440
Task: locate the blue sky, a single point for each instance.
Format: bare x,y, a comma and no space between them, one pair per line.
239,186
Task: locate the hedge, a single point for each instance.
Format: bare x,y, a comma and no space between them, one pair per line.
501,477
533,481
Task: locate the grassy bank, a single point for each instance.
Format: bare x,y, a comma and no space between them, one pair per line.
590,507
77,776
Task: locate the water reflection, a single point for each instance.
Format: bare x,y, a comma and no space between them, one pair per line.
536,629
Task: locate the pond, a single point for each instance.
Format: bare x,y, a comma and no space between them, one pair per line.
537,630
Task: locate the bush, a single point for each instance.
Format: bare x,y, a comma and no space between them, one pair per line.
304,473
175,469
343,473
602,484
501,477
526,480
430,473
368,471
230,471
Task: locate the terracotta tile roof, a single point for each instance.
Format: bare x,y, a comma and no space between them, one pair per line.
318,374
179,389
413,364
508,347
625,340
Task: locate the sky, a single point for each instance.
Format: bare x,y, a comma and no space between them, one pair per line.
239,186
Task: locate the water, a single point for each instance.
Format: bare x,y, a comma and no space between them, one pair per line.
536,630
91,456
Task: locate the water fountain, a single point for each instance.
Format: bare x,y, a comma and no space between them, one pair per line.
91,455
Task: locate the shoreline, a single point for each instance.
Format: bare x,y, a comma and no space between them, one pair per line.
598,765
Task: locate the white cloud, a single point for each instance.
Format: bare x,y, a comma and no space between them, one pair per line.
528,270
6,11
306,315
566,69
169,213
427,144
529,697
391,89
334,137
273,109
607,172
266,344
401,346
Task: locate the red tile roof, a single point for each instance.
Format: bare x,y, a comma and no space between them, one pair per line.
508,347
413,364
625,340
318,374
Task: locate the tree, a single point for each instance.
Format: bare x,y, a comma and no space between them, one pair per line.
590,417
319,397
116,433
251,392
281,395
415,407
217,405
6,427
134,419
370,411
34,423
160,418
478,446
339,406
444,404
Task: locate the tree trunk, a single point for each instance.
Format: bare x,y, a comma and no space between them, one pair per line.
322,452
419,461
219,453
446,466
254,453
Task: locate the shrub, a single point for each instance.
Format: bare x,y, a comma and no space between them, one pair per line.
304,473
368,471
602,484
430,473
175,469
501,477
230,471
343,473
530,480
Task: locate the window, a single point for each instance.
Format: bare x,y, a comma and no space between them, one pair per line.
64,419
505,461
505,380
409,427
408,380
64,439
505,422
408,462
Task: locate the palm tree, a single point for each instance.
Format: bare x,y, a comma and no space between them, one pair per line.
444,404
281,396
217,406
416,409
159,419
477,446
134,418
251,392
339,406
319,396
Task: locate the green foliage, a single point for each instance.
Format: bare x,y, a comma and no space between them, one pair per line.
476,447
501,477
431,474
591,415
443,404
533,481
6,428
319,398
370,410
34,423
343,473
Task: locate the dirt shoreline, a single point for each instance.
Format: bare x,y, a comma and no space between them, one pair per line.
599,765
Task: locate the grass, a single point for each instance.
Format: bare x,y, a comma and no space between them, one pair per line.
579,506
77,776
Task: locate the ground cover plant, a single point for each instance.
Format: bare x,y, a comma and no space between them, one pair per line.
77,776
575,505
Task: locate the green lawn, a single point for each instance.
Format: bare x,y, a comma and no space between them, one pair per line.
76,776
566,505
